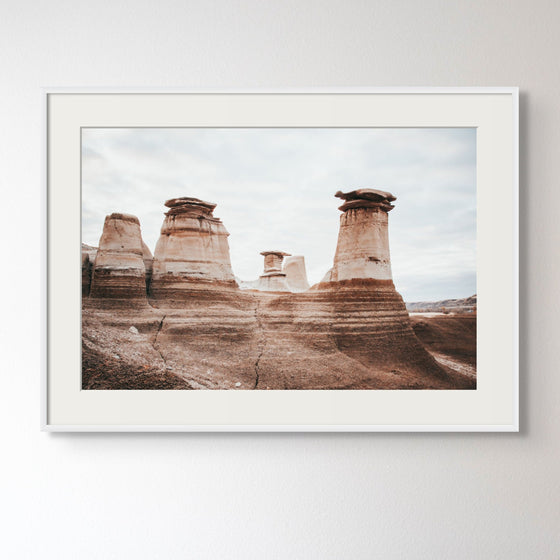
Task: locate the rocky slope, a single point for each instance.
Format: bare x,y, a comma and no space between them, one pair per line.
191,326
345,337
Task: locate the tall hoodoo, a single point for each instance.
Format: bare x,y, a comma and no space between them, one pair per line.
192,251
363,239
273,279
119,271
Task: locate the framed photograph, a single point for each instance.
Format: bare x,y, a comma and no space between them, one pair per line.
314,260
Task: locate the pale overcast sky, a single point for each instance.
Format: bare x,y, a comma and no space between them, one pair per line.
275,190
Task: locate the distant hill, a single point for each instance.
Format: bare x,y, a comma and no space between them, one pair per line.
451,305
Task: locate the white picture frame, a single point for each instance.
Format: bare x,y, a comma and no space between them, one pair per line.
493,406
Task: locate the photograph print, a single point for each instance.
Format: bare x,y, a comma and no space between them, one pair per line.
278,258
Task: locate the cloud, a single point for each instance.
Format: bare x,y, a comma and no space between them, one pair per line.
275,187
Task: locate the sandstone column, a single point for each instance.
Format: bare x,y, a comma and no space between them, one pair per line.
119,271
363,239
192,251
273,279
294,268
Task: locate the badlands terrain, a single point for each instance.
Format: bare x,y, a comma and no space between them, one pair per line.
181,320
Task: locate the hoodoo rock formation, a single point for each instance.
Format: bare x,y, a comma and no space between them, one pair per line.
296,275
273,279
369,320
192,251
362,250
119,272
200,331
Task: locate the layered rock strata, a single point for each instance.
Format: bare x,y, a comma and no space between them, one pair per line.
362,250
296,275
358,307
192,251
119,273
273,279
354,334
148,264
351,331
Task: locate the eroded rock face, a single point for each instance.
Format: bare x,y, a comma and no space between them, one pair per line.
345,334
296,275
192,251
363,240
353,334
88,262
273,279
350,331
148,264
354,313
119,272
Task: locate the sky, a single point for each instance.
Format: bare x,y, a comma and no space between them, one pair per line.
274,189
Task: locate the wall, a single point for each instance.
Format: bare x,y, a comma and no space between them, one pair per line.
283,495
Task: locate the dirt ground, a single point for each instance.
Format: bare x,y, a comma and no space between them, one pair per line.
155,349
